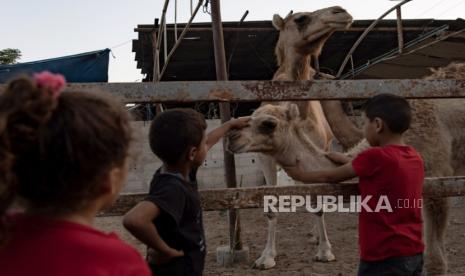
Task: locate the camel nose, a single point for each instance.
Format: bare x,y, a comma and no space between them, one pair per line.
337,10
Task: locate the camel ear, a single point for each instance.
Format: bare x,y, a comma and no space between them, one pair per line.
292,112
278,22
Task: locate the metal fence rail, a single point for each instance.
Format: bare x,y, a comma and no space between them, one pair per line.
244,91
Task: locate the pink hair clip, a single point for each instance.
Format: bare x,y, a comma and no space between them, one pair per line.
53,82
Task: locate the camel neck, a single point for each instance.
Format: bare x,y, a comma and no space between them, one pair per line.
301,146
297,67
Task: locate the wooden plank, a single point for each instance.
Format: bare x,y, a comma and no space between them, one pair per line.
252,197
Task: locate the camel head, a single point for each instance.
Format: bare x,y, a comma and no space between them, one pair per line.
306,32
275,130
269,127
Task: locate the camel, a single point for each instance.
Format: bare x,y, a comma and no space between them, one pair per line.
282,132
437,134
302,36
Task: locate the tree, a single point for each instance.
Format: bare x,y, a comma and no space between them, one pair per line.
9,56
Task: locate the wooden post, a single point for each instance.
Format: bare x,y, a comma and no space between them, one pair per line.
400,36
225,113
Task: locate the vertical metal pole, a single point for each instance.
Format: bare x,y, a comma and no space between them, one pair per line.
400,36
156,66
165,42
156,61
225,113
156,69
175,21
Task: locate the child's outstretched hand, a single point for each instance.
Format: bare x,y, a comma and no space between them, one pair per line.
239,123
295,171
215,135
338,157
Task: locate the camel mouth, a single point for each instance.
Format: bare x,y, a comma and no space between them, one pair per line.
233,147
345,22
246,148
340,25
237,149
315,36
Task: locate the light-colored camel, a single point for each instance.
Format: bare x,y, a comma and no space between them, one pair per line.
302,35
287,130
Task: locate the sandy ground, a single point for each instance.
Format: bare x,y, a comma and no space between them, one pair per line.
294,249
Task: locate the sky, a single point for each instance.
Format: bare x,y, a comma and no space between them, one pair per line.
53,28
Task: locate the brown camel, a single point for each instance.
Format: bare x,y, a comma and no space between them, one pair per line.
302,35
289,130
437,133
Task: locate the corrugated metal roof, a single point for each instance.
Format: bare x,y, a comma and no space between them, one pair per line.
252,48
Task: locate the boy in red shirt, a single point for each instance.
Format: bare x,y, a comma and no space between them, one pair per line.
390,242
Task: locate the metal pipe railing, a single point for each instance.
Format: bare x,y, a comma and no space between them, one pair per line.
181,36
156,63
364,34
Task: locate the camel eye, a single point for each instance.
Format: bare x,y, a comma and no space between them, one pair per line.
301,20
267,127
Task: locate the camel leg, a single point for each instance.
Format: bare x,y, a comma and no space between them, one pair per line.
267,258
436,216
324,253
315,238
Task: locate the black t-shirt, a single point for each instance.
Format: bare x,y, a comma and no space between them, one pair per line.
180,222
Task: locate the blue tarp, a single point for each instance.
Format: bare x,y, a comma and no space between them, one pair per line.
85,67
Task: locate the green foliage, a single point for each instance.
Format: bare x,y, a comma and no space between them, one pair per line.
9,56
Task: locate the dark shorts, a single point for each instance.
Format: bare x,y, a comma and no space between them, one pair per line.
176,267
397,266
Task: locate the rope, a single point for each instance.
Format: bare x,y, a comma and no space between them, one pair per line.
120,44
236,41
452,7
432,7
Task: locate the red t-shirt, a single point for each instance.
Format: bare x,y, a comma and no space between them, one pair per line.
394,172
44,247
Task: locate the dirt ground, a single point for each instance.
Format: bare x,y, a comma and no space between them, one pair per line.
294,249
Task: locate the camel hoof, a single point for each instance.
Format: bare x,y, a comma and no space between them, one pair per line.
324,257
264,262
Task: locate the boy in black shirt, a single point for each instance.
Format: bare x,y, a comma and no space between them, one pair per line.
169,220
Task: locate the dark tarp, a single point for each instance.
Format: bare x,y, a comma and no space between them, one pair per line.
85,67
